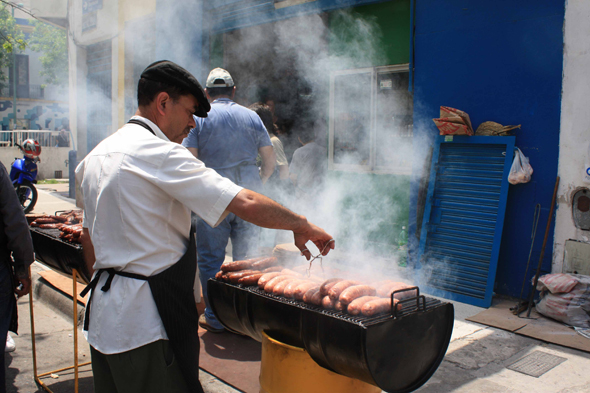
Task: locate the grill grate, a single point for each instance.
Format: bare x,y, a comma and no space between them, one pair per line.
54,235
409,306
536,363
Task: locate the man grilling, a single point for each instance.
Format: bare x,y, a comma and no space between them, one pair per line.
139,186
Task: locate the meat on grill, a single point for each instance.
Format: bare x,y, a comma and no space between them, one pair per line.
328,284
356,291
340,286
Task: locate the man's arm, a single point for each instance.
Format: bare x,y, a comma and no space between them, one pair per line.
194,150
87,250
268,162
283,172
265,212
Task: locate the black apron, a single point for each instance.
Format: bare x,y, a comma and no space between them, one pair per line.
173,294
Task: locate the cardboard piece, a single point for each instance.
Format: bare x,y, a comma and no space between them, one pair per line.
540,328
453,122
64,284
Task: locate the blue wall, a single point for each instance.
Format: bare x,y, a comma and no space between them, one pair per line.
498,61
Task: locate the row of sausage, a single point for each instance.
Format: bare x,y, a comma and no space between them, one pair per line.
353,297
68,222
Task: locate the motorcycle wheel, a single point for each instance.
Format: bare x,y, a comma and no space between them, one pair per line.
27,195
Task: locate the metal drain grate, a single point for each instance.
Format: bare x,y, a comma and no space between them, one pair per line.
536,363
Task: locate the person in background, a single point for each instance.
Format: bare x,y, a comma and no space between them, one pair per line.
16,255
278,185
139,187
228,140
281,171
308,166
63,139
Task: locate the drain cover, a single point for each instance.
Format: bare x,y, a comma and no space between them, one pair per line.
536,363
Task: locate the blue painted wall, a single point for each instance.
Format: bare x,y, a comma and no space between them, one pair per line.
498,61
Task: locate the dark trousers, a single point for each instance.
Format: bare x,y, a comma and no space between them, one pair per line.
151,368
6,294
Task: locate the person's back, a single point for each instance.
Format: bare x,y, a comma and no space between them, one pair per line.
229,138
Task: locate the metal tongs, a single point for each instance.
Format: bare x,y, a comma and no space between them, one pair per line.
319,256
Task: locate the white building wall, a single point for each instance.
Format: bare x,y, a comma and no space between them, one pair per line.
575,124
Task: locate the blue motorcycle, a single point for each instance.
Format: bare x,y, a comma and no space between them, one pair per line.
23,174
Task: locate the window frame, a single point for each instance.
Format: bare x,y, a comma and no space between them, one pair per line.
371,167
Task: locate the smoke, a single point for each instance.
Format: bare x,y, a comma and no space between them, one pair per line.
319,71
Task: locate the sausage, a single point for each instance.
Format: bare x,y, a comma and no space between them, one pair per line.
328,284
51,226
266,277
45,220
264,262
327,302
316,298
235,276
279,289
356,291
59,218
339,306
252,279
354,308
291,272
291,287
302,289
218,275
337,289
272,269
378,306
71,228
239,265
308,295
387,290
274,281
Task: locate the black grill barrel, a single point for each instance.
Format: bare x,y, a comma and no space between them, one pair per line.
396,354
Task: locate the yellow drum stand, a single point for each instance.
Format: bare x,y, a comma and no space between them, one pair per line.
288,369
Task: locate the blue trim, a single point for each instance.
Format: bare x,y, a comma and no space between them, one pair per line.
411,84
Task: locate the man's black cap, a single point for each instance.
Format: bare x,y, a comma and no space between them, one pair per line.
165,71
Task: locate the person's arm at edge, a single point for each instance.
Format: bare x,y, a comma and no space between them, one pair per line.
265,212
87,250
283,172
18,235
268,162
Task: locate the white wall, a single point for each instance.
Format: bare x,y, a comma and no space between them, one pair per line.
52,159
575,123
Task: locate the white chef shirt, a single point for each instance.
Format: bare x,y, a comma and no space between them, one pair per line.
138,191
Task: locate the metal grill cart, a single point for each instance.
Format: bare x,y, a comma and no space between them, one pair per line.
397,351
66,258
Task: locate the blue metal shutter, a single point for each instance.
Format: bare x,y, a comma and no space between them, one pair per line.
463,218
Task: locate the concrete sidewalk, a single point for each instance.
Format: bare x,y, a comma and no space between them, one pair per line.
476,360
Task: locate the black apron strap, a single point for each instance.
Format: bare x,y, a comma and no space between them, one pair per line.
141,123
178,311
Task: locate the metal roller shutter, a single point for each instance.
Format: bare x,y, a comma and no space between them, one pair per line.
464,215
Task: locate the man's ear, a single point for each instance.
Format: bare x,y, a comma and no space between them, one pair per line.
162,101
233,93
207,94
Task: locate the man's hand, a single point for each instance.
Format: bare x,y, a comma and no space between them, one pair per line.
322,240
23,286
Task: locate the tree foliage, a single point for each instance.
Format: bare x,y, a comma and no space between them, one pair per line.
52,43
11,39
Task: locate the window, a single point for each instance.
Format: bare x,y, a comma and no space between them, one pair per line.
371,117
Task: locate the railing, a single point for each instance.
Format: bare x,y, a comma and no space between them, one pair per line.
34,92
45,138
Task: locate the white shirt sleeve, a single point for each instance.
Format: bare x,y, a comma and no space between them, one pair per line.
199,188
